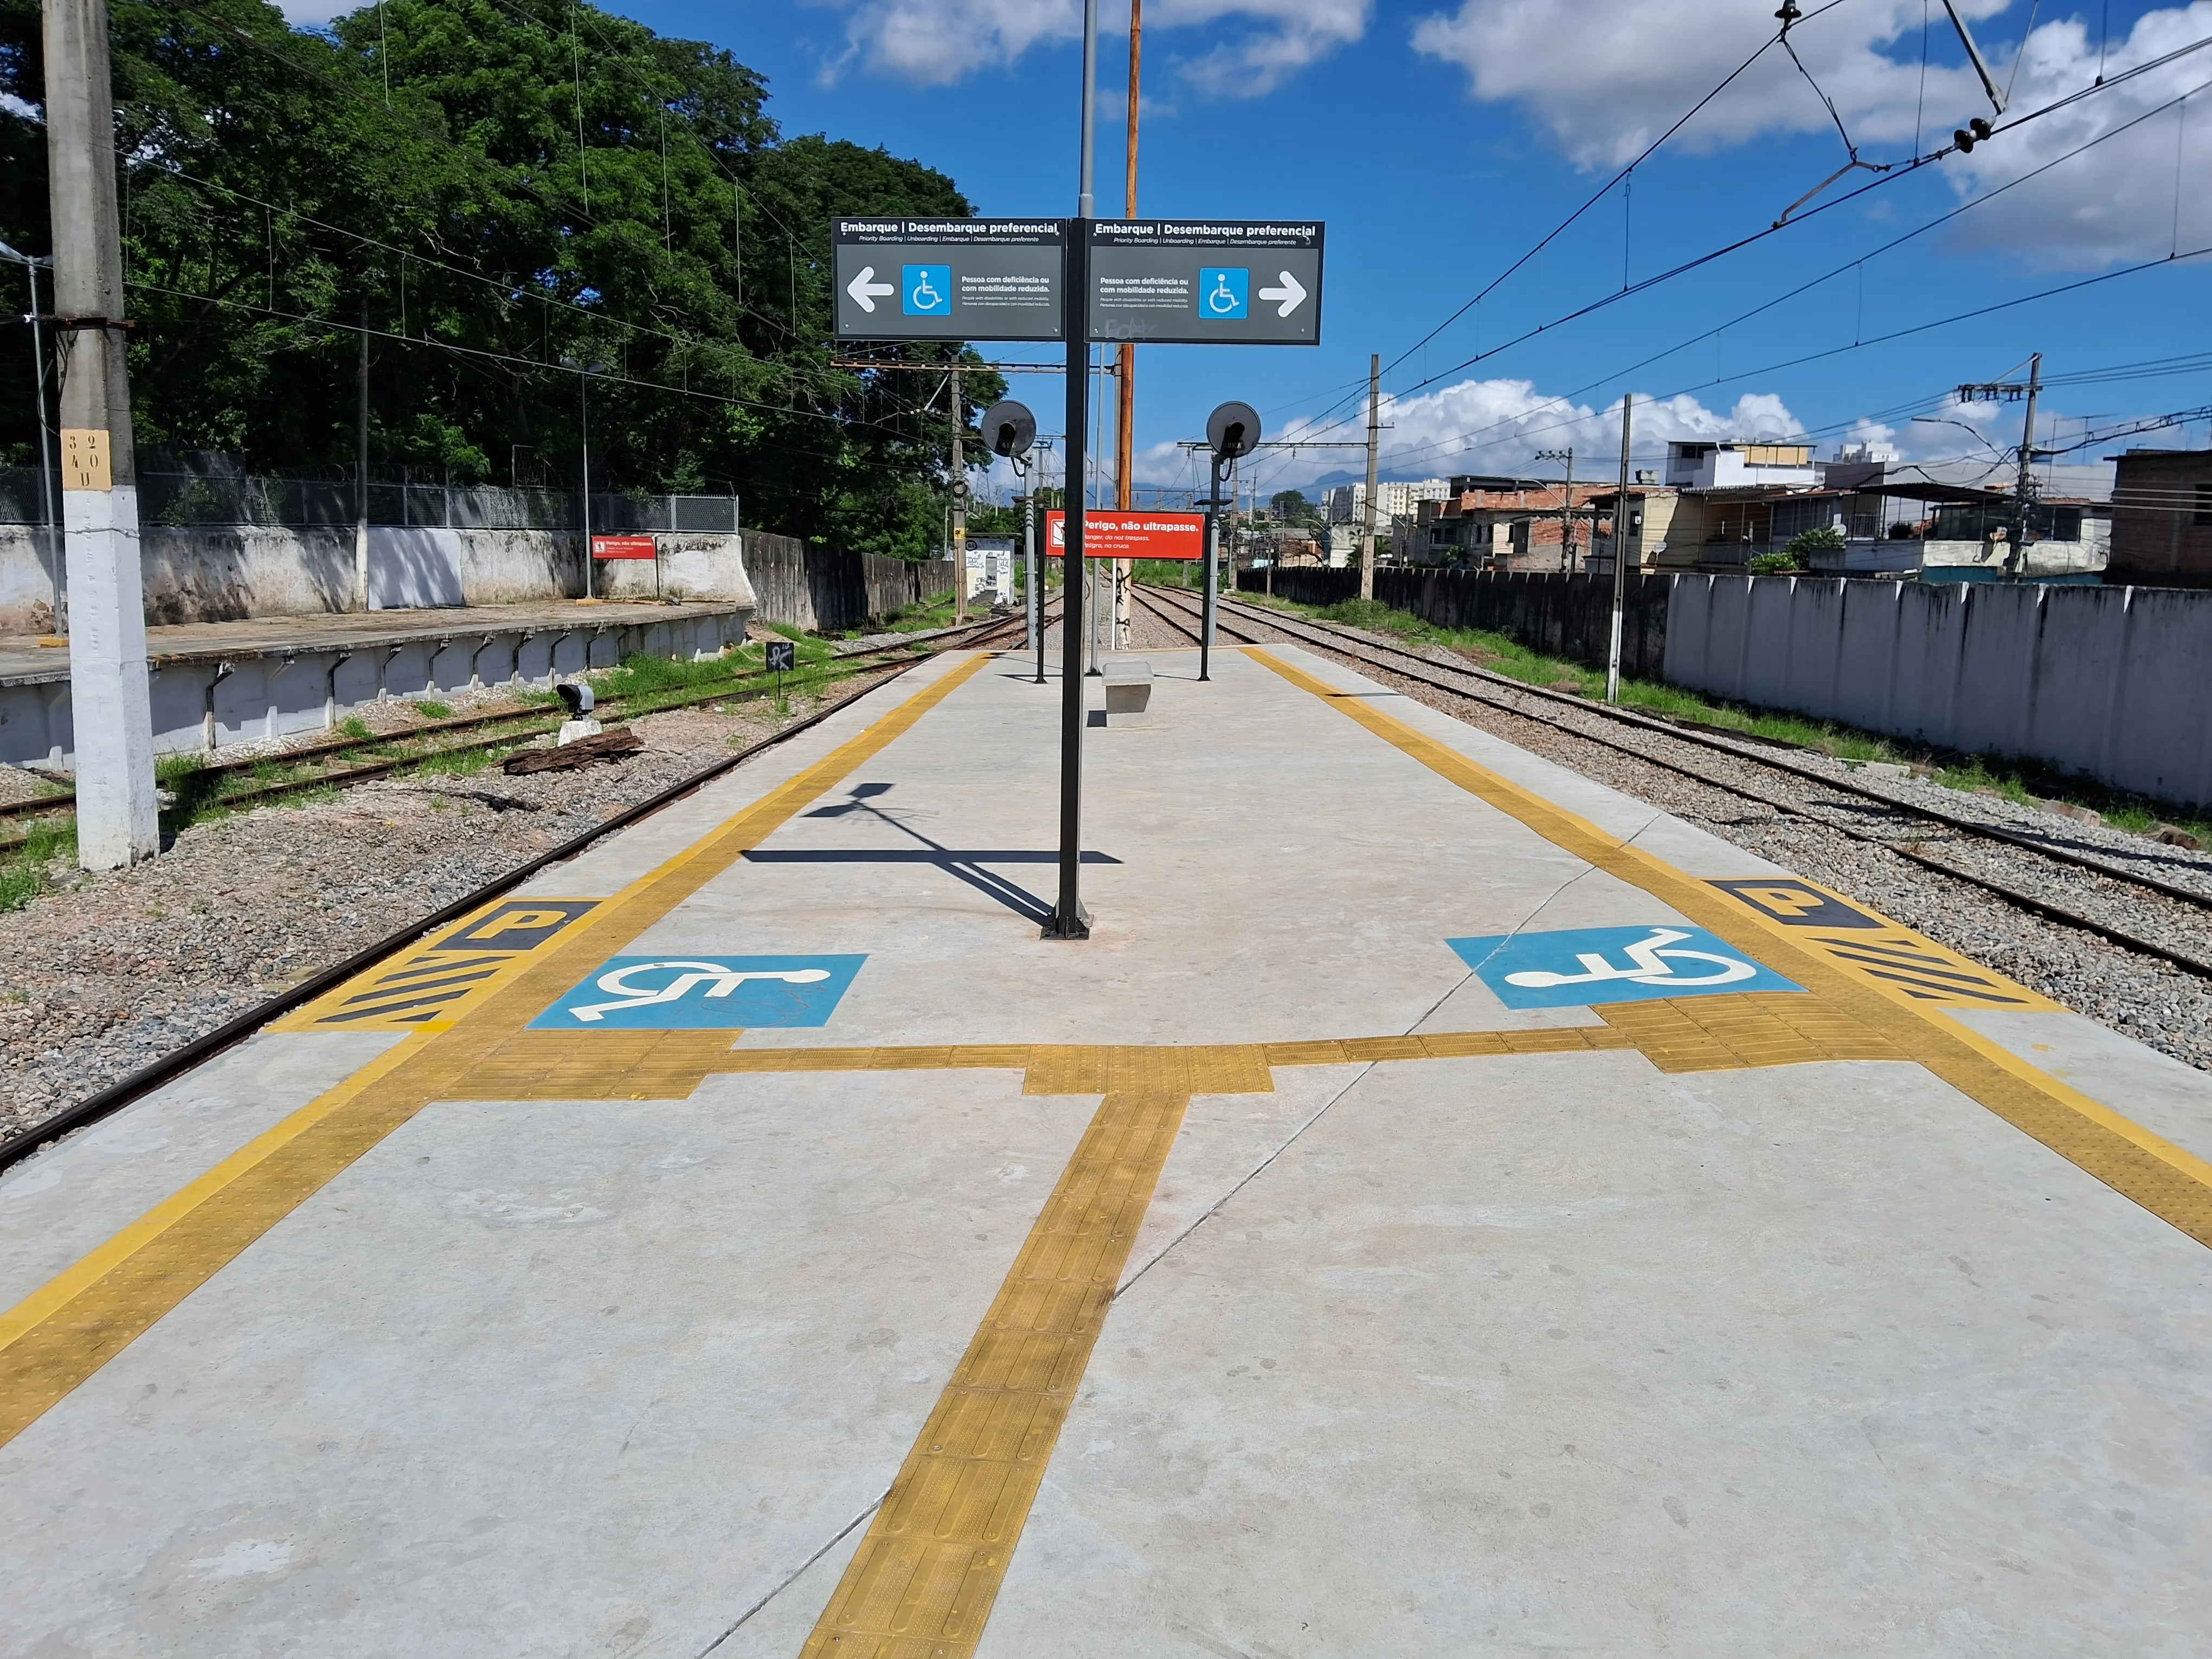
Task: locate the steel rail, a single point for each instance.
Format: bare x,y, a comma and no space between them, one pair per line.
116,1096
1349,646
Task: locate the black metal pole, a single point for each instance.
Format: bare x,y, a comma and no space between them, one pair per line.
1040,551
1068,918
1205,626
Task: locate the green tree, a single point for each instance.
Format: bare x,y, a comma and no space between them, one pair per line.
1292,507
492,187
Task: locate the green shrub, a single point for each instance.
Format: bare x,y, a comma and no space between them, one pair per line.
1774,564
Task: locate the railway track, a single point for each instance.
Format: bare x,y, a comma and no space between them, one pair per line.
16,1147
316,763
2183,911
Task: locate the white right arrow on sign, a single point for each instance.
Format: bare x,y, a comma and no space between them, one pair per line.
865,288
1291,294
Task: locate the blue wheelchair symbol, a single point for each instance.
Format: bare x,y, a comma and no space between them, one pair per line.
680,993
1581,966
1223,293
926,290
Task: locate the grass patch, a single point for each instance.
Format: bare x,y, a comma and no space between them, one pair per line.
435,711
23,874
354,727
461,764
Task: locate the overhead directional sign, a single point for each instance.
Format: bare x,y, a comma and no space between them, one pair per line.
1207,282
948,279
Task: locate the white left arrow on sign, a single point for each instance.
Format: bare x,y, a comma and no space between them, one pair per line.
1292,294
865,288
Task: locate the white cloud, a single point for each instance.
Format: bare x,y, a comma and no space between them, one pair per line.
937,42
2120,201
1497,426
1606,81
1604,91
15,105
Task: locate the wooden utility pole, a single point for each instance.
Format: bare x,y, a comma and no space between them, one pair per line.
109,704
959,503
1125,429
1374,446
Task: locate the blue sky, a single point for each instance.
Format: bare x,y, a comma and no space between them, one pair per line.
1440,141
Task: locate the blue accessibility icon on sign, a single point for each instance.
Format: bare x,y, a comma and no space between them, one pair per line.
926,290
1224,292
1581,966
676,993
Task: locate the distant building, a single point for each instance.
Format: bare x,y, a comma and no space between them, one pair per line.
1734,464
1347,504
2162,518
1492,522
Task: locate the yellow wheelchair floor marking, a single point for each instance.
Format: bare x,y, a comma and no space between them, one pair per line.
930,1566
2173,1184
66,1330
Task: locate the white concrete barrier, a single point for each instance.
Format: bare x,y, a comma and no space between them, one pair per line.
2112,683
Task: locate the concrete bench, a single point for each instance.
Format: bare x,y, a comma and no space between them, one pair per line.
1128,690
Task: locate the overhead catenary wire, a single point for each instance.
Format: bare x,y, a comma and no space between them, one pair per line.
1857,260
1338,392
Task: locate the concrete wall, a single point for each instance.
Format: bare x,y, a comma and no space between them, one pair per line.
2107,682
197,704
230,573
1559,615
827,590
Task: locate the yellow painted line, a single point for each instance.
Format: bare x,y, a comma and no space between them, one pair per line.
67,1329
2173,1184
42,1303
928,1572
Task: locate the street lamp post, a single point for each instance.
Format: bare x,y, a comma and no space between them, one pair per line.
30,264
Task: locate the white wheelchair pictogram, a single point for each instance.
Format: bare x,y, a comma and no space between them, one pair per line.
1223,301
926,297
719,979
1651,962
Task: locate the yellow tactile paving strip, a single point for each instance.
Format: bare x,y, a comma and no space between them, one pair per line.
929,1568
2174,1185
64,1331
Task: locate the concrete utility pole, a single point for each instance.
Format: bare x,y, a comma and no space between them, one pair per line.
2026,483
1374,447
117,822
360,488
959,504
1620,516
1125,431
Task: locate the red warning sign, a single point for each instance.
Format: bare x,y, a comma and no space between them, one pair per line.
623,547
1114,535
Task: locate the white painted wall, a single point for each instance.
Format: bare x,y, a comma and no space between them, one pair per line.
2107,682
228,573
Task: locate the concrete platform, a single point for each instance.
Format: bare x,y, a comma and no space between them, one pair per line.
218,683
1446,1206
